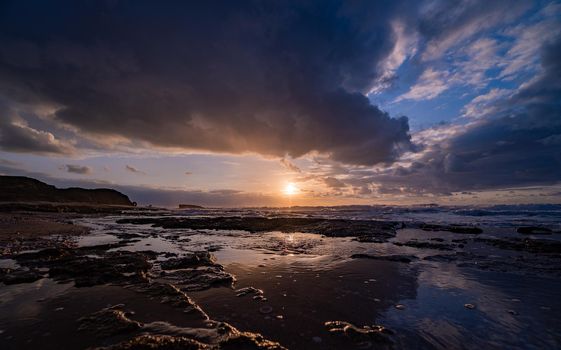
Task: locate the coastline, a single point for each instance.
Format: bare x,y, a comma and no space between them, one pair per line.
132,278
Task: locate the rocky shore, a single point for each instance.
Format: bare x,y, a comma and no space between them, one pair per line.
136,290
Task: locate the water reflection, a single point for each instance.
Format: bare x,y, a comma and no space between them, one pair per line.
309,279
508,310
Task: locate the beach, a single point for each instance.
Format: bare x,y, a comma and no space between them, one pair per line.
271,279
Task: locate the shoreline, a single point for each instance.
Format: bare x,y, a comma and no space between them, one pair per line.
294,282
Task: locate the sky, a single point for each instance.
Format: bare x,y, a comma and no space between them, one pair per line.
226,103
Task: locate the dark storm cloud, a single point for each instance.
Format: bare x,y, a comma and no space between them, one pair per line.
16,137
78,169
274,78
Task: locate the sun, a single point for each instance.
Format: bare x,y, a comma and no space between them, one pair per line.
290,189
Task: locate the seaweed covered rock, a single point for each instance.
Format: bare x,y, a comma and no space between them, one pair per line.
382,230
162,335
86,270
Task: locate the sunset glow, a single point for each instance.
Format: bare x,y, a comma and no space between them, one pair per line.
290,189
426,106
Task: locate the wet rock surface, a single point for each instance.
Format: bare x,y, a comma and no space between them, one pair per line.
425,245
326,227
108,322
16,276
533,230
137,271
451,228
378,335
84,269
390,265
248,290
168,294
190,260
114,320
157,342
528,245
200,278
397,258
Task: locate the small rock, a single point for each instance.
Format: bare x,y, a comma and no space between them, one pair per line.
469,306
400,307
249,290
360,335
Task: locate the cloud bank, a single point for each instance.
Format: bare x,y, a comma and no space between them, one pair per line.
273,78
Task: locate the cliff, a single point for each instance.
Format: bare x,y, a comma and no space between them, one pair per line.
25,189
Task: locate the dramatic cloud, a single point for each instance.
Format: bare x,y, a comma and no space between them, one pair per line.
446,23
515,141
288,81
78,169
17,136
460,49
267,77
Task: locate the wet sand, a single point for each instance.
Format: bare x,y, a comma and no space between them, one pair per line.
33,225
384,285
